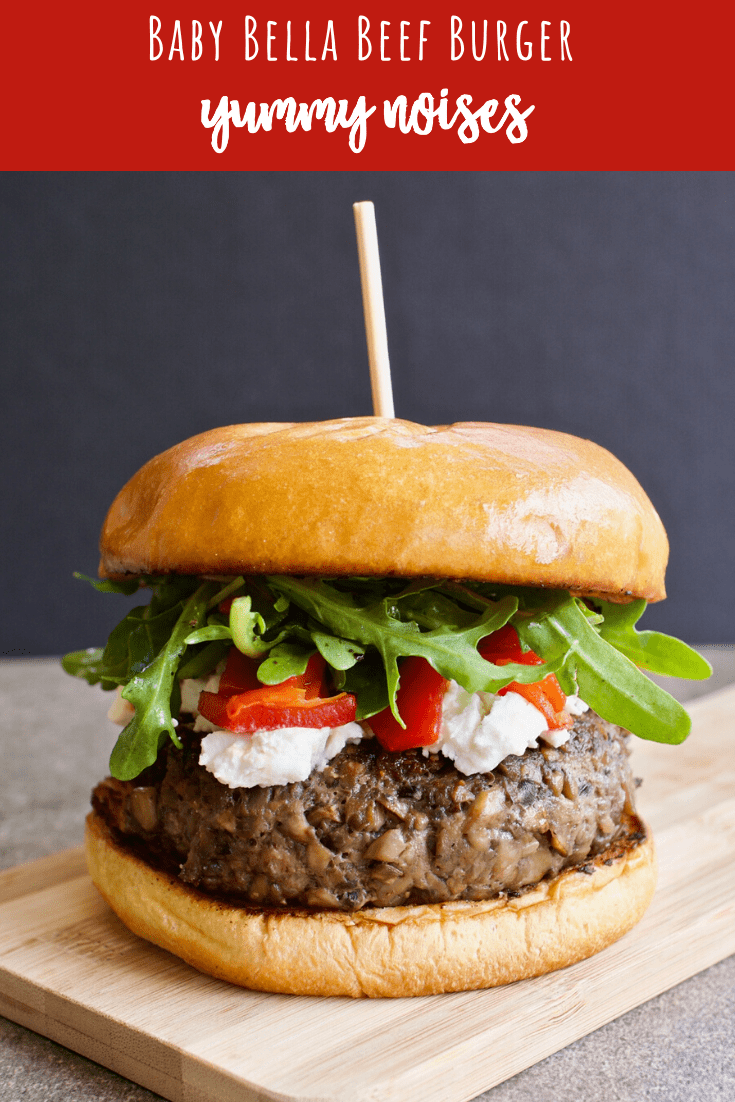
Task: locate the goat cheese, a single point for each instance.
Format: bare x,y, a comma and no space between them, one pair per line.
273,757
479,730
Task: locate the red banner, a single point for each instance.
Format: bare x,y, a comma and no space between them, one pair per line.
212,85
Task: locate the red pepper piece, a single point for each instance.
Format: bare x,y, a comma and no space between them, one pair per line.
273,706
243,704
539,695
312,680
554,692
503,647
240,674
419,698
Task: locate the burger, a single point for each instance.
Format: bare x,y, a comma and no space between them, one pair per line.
376,713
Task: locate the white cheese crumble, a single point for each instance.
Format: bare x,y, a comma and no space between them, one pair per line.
575,706
479,730
273,757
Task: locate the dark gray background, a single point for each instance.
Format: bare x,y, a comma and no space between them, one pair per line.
138,309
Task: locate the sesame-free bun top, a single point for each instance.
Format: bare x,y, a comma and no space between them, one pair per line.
372,496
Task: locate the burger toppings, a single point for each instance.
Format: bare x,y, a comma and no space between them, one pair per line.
419,702
321,654
479,730
299,701
546,695
476,730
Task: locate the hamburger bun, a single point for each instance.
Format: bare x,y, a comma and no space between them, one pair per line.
369,496
381,952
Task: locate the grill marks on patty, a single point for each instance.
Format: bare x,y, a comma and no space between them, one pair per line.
380,829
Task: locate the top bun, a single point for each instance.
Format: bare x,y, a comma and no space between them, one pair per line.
370,496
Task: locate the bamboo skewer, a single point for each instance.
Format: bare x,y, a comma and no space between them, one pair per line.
374,308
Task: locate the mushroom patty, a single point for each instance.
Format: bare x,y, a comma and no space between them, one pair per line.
380,829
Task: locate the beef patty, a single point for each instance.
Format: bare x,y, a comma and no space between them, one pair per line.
380,829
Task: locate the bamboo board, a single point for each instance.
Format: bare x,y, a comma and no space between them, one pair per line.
71,971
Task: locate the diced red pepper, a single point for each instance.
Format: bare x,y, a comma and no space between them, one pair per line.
538,694
503,647
420,693
272,706
239,675
312,680
243,704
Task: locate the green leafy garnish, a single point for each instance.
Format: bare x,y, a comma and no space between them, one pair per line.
90,665
200,661
649,649
247,627
285,660
228,590
363,627
340,654
367,681
106,585
603,677
149,691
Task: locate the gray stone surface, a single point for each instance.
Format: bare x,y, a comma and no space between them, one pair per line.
33,1069
55,741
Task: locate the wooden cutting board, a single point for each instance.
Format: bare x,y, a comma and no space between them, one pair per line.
71,971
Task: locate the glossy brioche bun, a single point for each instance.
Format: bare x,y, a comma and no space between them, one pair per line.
369,496
384,952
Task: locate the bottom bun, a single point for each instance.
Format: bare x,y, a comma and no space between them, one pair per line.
381,952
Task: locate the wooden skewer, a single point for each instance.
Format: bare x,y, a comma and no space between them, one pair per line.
372,300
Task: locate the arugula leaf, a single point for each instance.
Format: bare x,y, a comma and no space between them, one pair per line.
366,681
117,657
209,634
203,661
150,635
245,631
451,649
605,679
135,641
90,665
285,660
433,609
107,585
149,691
227,591
649,649
171,591
247,627
340,654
